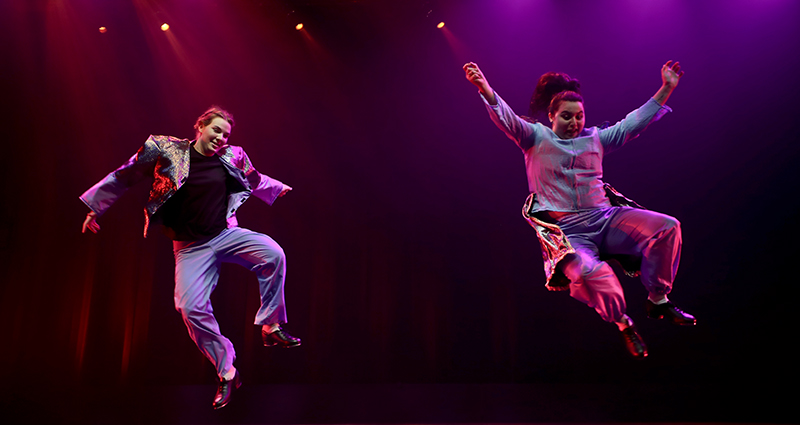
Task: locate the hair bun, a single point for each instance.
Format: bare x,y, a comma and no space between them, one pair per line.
548,86
574,85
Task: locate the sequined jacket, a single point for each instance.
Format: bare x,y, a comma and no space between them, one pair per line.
166,160
555,245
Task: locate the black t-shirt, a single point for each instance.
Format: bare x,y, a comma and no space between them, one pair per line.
197,210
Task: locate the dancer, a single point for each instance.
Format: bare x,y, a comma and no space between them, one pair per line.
197,187
581,222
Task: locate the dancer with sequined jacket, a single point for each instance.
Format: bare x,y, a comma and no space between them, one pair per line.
196,188
582,222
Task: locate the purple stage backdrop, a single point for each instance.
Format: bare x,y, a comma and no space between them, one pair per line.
408,259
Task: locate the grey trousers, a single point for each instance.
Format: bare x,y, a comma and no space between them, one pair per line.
197,265
654,237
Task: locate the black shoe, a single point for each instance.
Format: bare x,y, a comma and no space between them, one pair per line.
669,311
634,343
279,338
225,391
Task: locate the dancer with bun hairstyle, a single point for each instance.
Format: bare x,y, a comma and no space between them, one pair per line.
581,221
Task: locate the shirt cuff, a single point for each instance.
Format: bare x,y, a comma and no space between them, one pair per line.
487,102
661,110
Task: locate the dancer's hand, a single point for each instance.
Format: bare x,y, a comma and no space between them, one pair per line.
671,73
285,190
91,223
475,76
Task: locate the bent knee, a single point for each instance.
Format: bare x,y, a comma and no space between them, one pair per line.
670,229
672,223
269,259
273,255
269,249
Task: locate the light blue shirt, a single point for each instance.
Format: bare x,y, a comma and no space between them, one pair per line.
567,174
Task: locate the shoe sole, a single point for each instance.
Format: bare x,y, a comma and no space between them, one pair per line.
672,321
282,346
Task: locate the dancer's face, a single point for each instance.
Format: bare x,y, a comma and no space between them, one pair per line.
213,136
568,120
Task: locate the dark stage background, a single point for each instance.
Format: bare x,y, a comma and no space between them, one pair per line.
411,273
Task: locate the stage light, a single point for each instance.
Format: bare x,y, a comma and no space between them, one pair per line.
164,26
441,25
103,30
298,26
